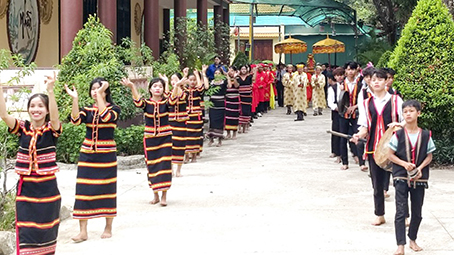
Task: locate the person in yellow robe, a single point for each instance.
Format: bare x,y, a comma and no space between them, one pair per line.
287,82
300,82
318,91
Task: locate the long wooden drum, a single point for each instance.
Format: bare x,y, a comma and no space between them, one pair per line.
382,150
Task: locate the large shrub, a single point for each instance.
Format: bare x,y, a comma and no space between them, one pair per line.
93,55
129,140
383,61
424,60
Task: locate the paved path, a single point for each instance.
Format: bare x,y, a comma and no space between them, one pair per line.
272,191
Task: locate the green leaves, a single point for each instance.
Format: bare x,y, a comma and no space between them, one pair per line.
93,55
423,60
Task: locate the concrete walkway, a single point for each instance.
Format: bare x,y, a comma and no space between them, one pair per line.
272,191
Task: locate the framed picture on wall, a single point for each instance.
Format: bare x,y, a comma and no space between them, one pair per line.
23,28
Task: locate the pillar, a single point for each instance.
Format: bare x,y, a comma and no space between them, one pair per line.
71,15
202,12
166,27
180,7
107,12
226,15
151,19
217,10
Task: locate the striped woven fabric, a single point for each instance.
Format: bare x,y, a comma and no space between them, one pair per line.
158,142
38,203
179,136
232,109
245,91
195,122
96,185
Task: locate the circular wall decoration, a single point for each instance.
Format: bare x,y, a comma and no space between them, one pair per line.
45,11
3,8
23,28
138,19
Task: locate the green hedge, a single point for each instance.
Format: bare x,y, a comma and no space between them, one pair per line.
424,60
129,140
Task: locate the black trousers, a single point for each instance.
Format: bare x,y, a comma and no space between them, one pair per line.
280,93
347,126
417,200
386,181
335,140
378,176
360,149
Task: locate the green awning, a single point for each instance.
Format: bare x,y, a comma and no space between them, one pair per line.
312,12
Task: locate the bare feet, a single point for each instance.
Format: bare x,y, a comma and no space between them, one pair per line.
400,250
80,238
186,158
338,160
227,137
379,220
210,143
364,168
386,194
155,199
414,246
164,198
332,155
344,167
106,234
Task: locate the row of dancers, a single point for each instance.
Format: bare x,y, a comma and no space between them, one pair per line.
173,134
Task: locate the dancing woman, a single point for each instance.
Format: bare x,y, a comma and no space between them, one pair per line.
96,185
38,199
157,139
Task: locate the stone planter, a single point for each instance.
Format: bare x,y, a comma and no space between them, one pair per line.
7,243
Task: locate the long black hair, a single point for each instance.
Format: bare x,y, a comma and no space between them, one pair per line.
99,80
43,98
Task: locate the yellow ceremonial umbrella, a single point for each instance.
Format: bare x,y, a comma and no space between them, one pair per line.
329,46
290,46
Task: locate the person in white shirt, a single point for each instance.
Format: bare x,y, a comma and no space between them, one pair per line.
348,121
333,97
380,112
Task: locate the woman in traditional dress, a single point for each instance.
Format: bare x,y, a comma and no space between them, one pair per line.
178,115
157,139
318,87
96,185
38,199
217,109
244,82
232,105
195,122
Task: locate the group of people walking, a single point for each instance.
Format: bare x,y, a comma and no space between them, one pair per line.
174,119
364,105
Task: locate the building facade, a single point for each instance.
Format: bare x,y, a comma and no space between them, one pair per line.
43,30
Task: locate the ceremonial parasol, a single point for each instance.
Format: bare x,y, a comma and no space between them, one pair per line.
290,46
329,46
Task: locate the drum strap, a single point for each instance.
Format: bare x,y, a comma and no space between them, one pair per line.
413,155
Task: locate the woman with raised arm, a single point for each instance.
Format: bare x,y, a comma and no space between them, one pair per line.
195,122
38,199
178,115
232,105
96,185
158,133
244,81
217,109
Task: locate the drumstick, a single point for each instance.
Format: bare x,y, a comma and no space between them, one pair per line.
344,135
